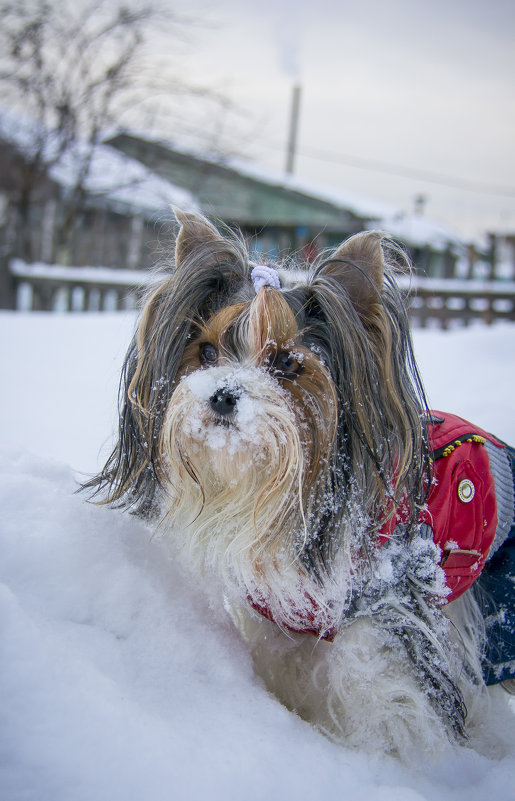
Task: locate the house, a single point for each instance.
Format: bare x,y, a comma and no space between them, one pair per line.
114,220
121,218
278,214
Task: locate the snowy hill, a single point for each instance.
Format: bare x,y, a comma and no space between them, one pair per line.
117,681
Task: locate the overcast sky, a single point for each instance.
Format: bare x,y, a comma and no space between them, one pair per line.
426,86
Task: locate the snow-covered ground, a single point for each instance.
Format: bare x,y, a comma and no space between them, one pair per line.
117,682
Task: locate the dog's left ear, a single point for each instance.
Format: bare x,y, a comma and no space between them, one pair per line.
196,233
358,266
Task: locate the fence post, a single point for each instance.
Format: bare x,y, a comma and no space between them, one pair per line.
492,256
449,263
7,285
471,261
511,242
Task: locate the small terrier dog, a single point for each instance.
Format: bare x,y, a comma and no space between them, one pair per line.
283,436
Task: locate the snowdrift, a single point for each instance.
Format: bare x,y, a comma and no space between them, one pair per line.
117,680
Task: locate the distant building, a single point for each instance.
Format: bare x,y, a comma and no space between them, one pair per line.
277,213
120,206
280,214
123,219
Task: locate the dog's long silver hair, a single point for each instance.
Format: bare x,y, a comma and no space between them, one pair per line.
284,499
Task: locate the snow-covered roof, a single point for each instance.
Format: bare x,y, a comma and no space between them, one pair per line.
411,229
119,179
123,181
18,131
113,176
356,204
419,231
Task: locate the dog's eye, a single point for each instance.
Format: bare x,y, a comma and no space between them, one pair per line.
287,365
208,354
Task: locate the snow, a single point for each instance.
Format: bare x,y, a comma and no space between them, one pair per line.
248,431
117,679
95,275
461,286
419,231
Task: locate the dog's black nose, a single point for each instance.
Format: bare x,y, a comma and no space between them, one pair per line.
224,401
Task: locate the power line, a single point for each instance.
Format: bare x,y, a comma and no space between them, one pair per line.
403,172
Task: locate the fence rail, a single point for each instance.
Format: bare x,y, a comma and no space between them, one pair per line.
436,302
446,302
42,287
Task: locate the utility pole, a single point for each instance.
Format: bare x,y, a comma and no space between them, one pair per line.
294,124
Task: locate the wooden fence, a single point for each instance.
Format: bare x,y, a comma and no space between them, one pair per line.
449,302
432,302
41,287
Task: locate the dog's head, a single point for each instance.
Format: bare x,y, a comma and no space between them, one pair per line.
281,413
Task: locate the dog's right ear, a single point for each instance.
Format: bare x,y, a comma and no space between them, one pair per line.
195,234
210,270
357,266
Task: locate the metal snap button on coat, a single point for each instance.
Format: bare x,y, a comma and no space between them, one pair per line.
466,490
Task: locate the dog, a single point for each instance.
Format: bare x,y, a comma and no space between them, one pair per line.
282,437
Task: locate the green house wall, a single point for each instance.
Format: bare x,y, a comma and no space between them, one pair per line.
248,201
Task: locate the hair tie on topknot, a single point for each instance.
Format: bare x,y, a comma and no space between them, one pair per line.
263,275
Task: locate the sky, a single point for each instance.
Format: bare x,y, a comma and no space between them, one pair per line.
392,94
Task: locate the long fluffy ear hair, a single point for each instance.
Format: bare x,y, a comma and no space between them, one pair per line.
209,271
357,318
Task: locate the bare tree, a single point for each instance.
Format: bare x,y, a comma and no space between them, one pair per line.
74,69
